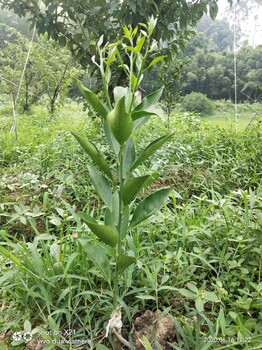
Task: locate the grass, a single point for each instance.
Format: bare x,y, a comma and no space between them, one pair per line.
198,260
224,115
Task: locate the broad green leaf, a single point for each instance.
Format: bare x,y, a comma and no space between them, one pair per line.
94,154
156,60
213,10
141,114
127,32
140,44
257,304
27,326
101,347
151,149
192,287
149,206
92,99
133,81
186,293
109,218
130,48
98,256
199,304
120,121
101,185
129,156
111,139
124,261
221,322
107,234
149,100
152,178
210,296
250,323
132,187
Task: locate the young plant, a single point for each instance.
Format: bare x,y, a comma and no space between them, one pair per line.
116,183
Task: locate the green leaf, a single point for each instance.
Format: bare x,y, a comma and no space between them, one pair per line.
94,154
146,343
149,100
124,261
10,256
210,296
151,149
156,60
101,185
141,114
70,260
109,218
98,257
140,44
192,287
132,187
127,32
133,81
213,10
92,99
120,121
199,304
111,139
7,275
129,156
27,326
152,178
107,234
101,347
186,293
149,206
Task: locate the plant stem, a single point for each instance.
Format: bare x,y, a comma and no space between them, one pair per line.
119,245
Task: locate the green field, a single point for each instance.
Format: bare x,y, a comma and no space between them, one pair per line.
226,116
198,264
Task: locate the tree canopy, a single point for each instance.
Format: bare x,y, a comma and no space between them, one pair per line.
79,24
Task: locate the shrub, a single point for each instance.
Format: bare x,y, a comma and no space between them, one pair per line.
197,102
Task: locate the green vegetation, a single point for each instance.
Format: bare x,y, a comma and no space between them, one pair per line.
128,223
207,237
49,75
79,27
198,103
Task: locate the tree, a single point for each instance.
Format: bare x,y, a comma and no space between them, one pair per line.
79,24
216,33
12,60
249,70
56,69
49,70
13,21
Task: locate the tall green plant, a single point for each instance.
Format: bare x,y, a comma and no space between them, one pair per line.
116,183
